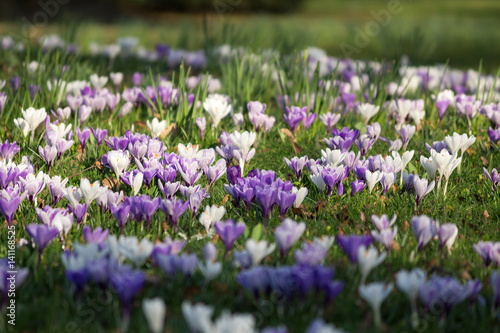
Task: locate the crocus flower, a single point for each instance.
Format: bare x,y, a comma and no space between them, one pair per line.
229,232
446,291
357,186
494,135
198,316
173,209
329,120
118,161
156,127
266,198
148,207
218,107
350,245
388,178
201,122
8,150
364,143
485,250
429,165
372,178
83,135
49,154
285,200
258,250
296,164
374,294
56,187
406,132
425,229
447,234
32,118
494,177
287,234
300,195
367,111
368,259
154,310
127,283
409,283
99,135
243,141
211,215
385,236
307,120
79,212
121,213
383,222
90,191
42,235
421,188
97,236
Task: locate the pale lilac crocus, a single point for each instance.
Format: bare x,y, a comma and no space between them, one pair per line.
494,177
447,234
201,122
287,234
406,132
329,120
383,222
425,229
296,164
385,236
421,188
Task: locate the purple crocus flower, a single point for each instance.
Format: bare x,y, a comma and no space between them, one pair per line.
83,135
495,286
169,189
49,154
287,234
285,200
229,232
148,207
425,229
445,291
373,131
8,150
9,202
74,102
406,133
137,78
329,120
294,116
296,164
484,249
421,188
99,135
350,245
121,213
96,236
364,143
233,174
494,177
357,186
14,83
201,122
266,198
447,234
42,235
214,172
385,237
84,112
127,283
494,135
307,120
383,222
173,209
332,176
79,212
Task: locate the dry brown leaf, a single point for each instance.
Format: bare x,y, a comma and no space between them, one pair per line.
485,214
485,161
395,246
140,123
171,129
109,182
298,211
406,225
224,200
362,217
98,164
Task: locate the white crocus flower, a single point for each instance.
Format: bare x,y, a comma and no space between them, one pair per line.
73,194
429,165
258,250
332,157
188,151
243,141
98,81
409,283
238,322
318,181
136,181
374,294
198,316
210,270
156,127
32,119
154,310
91,191
218,107
23,126
135,251
372,178
61,129
300,195
367,111
368,259
210,215
118,160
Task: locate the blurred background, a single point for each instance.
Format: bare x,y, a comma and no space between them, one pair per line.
463,32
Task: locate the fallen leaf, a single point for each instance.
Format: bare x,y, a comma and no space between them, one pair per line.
395,246
224,200
298,211
109,183
406,225
485,214
140,123
485,161
171,129
362,217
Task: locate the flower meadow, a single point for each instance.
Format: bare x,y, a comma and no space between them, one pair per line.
224,190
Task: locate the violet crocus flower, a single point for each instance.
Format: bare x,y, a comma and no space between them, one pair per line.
447,234
127,283
495,286
83,135
332,176
96,236
294,116
285,200
307,120
329,120
56,187
42,235
79,212
233,174
445,291
266,198
9,203
213,173
148,207
405,133
387,180
49,154
8,150
425,229
385,237
494,177
173,209
121,213
364,143
287,234
229,232
383,222
484,249
494,135
99,135
357,186
421,188
296,164
350,245
201,122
